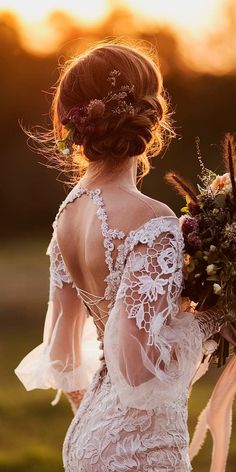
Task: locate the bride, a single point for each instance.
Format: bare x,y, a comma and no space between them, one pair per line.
116,259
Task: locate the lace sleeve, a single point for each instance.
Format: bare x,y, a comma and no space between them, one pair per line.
157,346
68,356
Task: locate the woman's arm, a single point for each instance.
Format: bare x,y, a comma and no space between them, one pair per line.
152,347
58,361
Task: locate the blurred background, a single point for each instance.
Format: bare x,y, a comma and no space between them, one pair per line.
196,42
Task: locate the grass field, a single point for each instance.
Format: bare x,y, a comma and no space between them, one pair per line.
31,430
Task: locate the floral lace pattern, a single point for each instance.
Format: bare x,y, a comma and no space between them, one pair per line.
151,274
106,435
58,271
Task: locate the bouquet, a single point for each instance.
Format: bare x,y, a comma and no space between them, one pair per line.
209,231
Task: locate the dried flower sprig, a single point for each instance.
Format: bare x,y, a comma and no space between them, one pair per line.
81,121
206,176
181,185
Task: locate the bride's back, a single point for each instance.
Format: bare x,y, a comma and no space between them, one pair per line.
81,233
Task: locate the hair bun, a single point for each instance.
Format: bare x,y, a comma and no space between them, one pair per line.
133,121
116,138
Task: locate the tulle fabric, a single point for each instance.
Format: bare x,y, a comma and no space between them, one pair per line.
68,356
152,349
138,381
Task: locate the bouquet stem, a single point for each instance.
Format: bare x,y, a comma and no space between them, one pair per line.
222,352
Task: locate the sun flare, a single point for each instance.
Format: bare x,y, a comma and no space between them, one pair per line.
191,14
87,11
193,22
195,16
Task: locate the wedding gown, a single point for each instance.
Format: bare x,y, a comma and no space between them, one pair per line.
133,416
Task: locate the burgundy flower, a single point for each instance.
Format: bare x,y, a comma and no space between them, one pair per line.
194,240
194,208
76,116
189,225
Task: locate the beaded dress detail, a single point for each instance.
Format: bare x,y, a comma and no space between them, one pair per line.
133,416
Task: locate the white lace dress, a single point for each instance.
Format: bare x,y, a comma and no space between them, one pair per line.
133,416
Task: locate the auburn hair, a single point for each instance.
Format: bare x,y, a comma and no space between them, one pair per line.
117,137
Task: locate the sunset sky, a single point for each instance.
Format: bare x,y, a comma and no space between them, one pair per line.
195,16
200,24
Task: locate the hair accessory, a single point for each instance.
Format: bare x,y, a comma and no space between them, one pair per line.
81,120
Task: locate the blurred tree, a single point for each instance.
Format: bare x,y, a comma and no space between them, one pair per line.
30,193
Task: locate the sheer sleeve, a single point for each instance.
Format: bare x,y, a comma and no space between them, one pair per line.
151,348
68,355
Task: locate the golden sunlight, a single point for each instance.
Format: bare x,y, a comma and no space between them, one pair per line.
38,33
194,16
87,11
204,27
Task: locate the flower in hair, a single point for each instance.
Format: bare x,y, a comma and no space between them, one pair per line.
81,120
96,108
113,76
77,123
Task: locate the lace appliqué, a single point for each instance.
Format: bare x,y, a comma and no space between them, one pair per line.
59,272
113,278
106,437
151,274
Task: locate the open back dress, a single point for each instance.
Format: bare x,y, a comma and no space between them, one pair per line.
133,415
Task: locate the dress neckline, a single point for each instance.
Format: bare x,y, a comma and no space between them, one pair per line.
97,194
98,190
115,266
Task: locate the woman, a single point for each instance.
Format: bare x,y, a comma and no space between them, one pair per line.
116,255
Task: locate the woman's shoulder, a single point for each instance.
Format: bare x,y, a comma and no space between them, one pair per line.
158,207
125,209
130,208
146,215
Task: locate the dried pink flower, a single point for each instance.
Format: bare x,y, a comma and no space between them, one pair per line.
96,108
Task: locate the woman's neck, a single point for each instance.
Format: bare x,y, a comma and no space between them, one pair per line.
125,177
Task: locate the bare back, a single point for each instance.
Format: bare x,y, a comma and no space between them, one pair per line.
89,254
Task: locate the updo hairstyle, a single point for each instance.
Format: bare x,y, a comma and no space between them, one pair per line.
116,137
